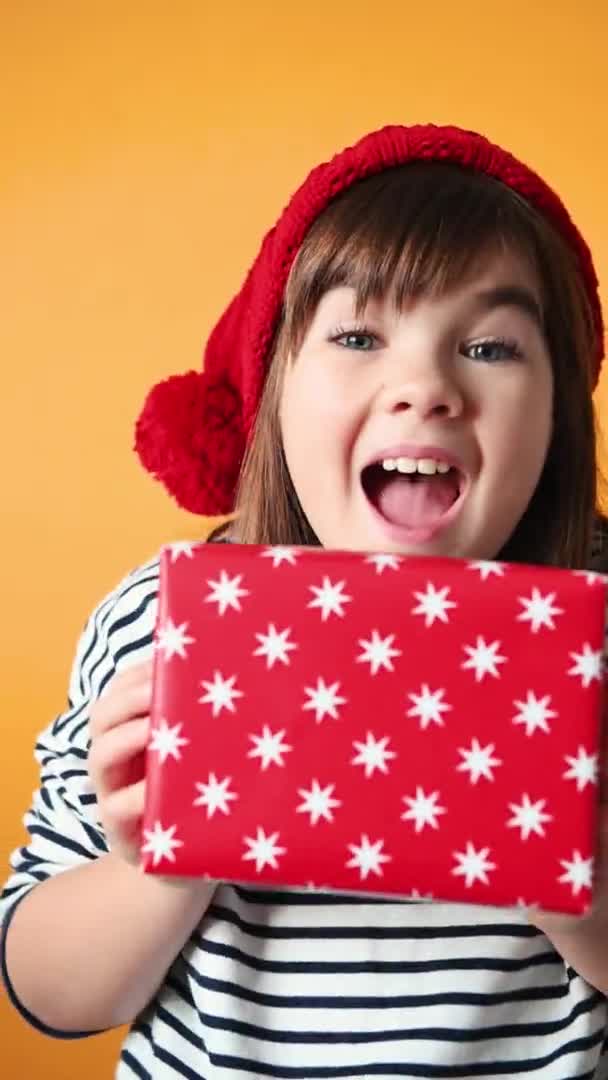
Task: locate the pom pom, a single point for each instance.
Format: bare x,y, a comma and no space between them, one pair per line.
189,437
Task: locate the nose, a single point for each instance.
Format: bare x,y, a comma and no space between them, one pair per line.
427,388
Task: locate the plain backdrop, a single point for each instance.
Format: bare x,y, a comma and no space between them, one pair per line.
145,149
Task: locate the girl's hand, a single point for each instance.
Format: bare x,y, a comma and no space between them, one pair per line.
119,725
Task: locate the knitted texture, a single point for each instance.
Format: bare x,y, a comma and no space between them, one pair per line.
193,429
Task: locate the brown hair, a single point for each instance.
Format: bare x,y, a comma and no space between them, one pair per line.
414,230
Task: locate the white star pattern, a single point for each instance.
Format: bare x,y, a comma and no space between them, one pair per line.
367,857
214,795
587,665
473,865
529,817
269,747
330,598
172,640
423,809
221,693
478,761
161,843
591,576
384,562
428,706
486,567
373,754
274,646
378,652
534,713
263,849
416,896
434,604
324,699
521,902
226,593
578,872
583,768
318,802
280,555
166,741
484,659
181,547
539,610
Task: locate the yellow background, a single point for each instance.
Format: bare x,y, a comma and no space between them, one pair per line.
146,148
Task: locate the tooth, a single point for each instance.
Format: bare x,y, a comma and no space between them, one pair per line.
427,466
406,465
389,464
442,467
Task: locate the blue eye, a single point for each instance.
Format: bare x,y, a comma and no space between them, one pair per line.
492,350
357,340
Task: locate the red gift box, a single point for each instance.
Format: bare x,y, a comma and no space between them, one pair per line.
403,726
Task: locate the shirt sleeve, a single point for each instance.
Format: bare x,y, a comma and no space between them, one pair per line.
62,823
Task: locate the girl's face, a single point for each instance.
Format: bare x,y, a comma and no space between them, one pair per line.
422,431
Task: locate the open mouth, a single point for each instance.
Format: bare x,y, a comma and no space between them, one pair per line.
412,493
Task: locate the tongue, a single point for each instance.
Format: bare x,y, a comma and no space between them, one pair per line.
416,503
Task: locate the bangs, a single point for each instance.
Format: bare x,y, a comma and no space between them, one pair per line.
415,230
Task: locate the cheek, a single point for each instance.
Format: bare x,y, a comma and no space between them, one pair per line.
536,425
317,408
304,426
318,387
520,427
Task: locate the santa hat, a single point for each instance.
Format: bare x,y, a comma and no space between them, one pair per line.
193,429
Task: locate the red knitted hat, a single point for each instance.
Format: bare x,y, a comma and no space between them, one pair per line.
193,429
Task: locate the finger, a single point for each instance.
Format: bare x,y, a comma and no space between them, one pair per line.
128,676
205,888
123,811
133,672
124,703
111,757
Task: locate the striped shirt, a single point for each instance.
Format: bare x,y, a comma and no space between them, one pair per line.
293,984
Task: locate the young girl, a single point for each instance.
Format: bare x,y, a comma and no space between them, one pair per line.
407,369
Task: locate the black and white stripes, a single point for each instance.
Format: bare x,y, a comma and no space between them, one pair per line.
290,984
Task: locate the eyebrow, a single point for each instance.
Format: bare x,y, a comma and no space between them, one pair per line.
516,296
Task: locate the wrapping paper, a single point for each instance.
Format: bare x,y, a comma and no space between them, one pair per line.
409,727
